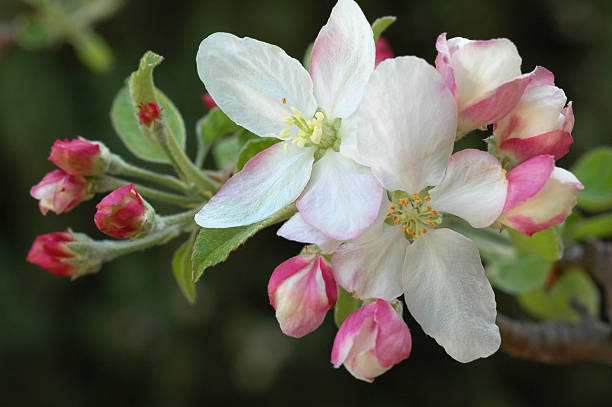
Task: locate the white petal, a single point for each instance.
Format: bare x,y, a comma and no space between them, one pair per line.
342,60
371,266
298,230
474,188
248,80
408,119
342,198
447,292
481,66
268,182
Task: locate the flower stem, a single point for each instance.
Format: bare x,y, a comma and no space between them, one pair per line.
120,167
106,183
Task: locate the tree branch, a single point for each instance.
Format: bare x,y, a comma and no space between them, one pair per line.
562,342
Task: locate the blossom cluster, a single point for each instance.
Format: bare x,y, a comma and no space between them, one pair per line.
366,153
361,151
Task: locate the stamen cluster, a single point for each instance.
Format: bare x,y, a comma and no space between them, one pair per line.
413,214
316,132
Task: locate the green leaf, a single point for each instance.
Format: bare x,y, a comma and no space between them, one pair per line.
212,246
181,266
252,147
30,33
595,227
345,306
307,55
125,122
226,151
211,127
594,170
381,24
519,275
546,244
140,82
94,52
555,303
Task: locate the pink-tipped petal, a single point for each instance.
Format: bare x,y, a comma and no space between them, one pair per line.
550,206
342,60
371,340
268,182
555,143
302,290
298,230
443,63
474,188
253,82
342,198
527,179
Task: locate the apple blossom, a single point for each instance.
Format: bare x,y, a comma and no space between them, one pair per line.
439,271
269,93
124,214
371,340
539,124
484,77
60,192
302,290
540,195
80,156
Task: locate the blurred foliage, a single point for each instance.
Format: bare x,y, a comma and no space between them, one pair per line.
128,337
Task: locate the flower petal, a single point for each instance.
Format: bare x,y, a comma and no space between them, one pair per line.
371,266
550,206
298,230
342,60
250,79
527,179
474,188
447,292
268,182
407,124
342,198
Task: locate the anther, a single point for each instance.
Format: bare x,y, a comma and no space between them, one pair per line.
284,101
392,207
388,215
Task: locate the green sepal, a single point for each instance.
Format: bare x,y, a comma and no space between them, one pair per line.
345,306
252,148
307,55
547,244
594,171
125,121
181,267
555,303
213,246
381,24
523,274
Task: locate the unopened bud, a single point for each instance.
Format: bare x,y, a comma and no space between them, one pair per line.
148,113
123,214
208,101
80,156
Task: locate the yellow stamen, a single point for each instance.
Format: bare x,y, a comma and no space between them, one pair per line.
284,101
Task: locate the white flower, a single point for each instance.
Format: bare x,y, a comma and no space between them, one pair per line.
269,93
414,117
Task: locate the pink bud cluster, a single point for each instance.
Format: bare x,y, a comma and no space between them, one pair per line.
532,126
369,342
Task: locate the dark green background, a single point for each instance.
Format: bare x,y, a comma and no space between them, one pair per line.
126,337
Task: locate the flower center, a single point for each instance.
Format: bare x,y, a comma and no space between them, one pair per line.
317,132
413,214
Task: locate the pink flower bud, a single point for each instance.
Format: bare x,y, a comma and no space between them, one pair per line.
539,124
540,195
383,50
49,250
124,214
60,192
148,113
79,156
208,101
371,340
302,290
